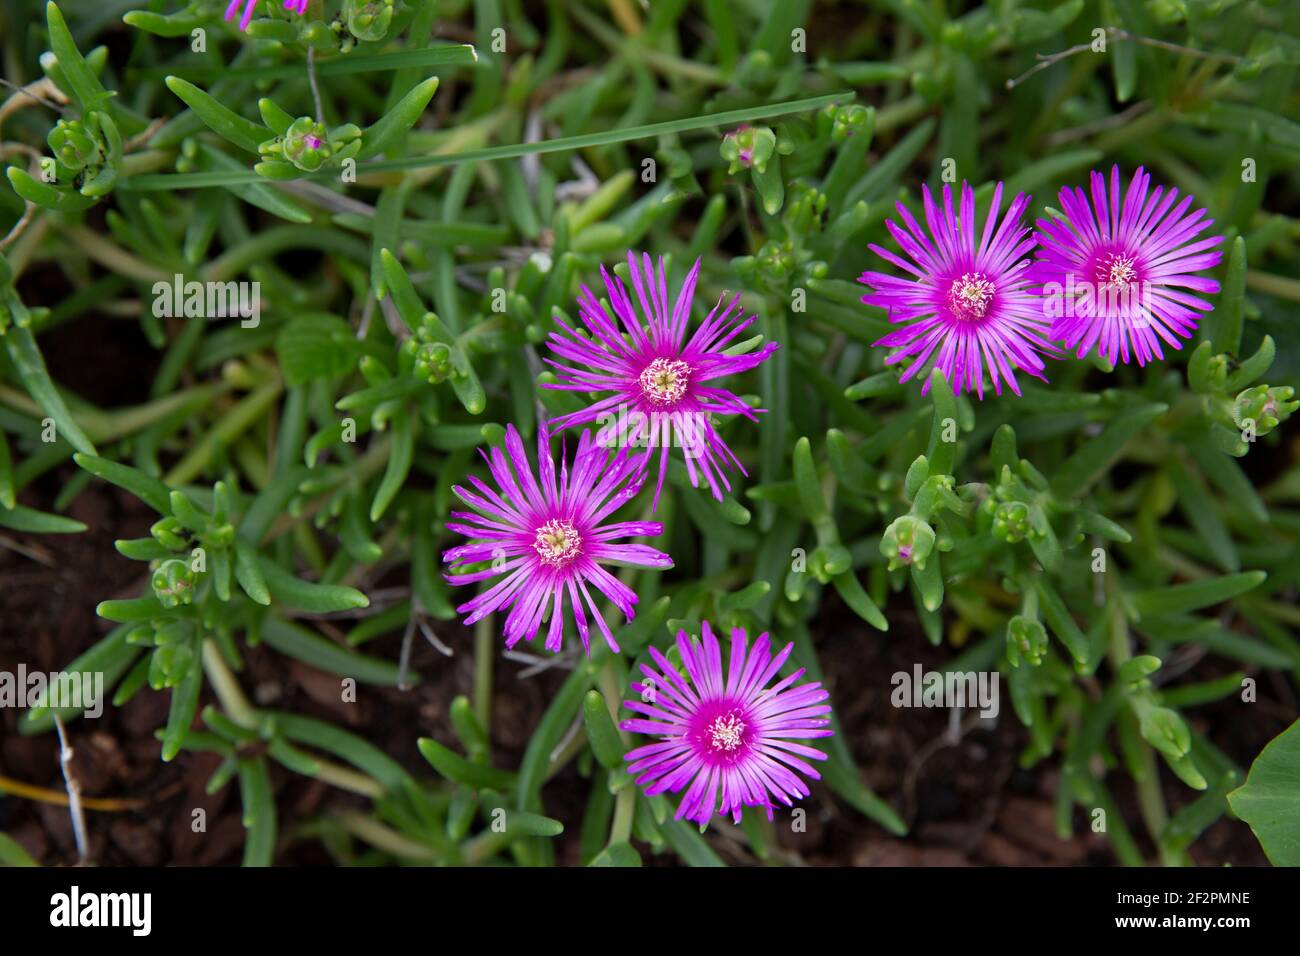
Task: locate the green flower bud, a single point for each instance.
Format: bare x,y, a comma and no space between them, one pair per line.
909,540
368,19
305,144
849,120
433,361
173,583
1027,639
1011,521
74,145
1265,406
777,261
748,146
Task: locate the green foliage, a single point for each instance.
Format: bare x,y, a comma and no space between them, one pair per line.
1269,800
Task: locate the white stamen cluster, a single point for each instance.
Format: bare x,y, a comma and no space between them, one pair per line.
664,381
970,296
1118,271
726,733
557,543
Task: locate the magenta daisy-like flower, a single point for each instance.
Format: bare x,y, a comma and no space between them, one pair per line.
660,383
727,738
967,308
293,6
1114,272
546,538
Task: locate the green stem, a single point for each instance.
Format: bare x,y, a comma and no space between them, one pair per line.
1151,801
632,49
148,161
620,830
1283,287
484,646
725,119
347,779
243,416
106,427
113,257
226,687
271,242
625,803
384,838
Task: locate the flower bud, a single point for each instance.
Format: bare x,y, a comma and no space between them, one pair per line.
849,120
73,145
1026,638
909,540
368,19
433,361
173,583
1265,405
305,144
748,146
1011,521
777,261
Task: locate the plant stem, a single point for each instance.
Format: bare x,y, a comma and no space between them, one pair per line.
620,830
232,424
1151,800
484,645
384,838
226,687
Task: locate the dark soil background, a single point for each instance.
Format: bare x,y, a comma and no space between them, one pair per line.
966,804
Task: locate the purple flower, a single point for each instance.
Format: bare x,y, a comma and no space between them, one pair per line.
658,380
1121,266
730,737
295,6
547,539
968,308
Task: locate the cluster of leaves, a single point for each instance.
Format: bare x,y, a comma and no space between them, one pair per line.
1075,539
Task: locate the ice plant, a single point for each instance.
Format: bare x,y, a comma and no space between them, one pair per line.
727,738
546,539
1118,268
297,474
967,309
294,6
658,379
